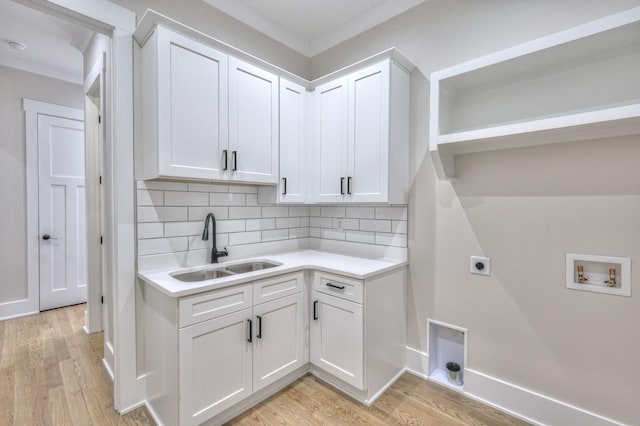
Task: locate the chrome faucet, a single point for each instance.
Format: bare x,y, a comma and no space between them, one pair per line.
215,254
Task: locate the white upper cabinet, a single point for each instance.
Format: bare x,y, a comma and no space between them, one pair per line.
578,84
330,147
293,143
362,136
205,115
253,123
184,107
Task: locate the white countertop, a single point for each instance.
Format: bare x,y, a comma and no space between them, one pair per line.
350,266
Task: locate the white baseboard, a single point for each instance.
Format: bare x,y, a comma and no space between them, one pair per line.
417,363
528,405
369,402
17,309
515,400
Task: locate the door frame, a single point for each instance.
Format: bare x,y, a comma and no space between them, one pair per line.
33,109
118,23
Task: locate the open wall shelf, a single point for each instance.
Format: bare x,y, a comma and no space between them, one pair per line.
577,84
446,343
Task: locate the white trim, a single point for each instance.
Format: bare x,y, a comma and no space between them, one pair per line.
107,368
417,363
53,110
369,402
527,404
41,69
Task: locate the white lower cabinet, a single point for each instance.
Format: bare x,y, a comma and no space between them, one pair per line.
337,338
215,366
279,339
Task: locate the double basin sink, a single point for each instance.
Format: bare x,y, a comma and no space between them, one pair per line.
223,271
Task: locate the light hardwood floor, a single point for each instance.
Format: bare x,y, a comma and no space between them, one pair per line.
51,374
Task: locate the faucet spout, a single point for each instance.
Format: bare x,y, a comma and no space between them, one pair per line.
215,254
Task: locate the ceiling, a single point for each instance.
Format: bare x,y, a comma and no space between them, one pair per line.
312,26
54,47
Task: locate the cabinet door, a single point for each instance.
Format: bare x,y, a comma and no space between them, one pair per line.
337,338
215,362
330,154
253,123
368,157
192,107
293,138
279,339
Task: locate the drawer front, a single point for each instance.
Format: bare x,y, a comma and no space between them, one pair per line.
214,304
339,286
275,288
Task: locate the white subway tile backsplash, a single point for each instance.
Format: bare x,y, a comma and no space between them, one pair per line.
245,212
275,211
244,238
150,230
299,232
150,198
171,218
399,226
375,225
395,240
361,237
162,245
200,213
295,211
175,198
162,214
243,189
275,234
396,213
228,199
181,229
361,212
225,226
288,222
332,211
208,187
321,222
260,224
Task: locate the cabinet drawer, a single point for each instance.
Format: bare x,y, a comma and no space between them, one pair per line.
336,285
214,304
275,288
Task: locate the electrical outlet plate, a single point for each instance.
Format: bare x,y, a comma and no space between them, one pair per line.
480,265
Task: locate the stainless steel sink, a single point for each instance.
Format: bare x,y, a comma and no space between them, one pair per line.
243,268
206,274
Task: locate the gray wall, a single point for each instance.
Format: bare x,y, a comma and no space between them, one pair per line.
525,209
199,15
14,86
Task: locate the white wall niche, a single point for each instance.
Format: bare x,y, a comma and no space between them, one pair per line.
596,271
446,343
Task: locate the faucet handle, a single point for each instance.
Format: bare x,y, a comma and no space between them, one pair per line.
223,253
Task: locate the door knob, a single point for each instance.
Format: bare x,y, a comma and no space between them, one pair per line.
48,237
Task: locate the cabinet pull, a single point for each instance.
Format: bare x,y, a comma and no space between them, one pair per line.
226,155
235,160
284,181
250,323
315,310
349,185
259,333
342,185
339,287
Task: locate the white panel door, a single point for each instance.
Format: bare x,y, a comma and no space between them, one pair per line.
62,212
337,338
293,143
368,166
279,339
330,158
253,123
192,108
214,366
